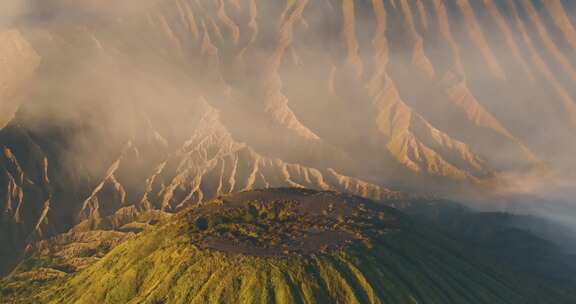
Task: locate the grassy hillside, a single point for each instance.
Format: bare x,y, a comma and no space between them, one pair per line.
390,260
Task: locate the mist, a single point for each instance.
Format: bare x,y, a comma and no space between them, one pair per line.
12,10
471,111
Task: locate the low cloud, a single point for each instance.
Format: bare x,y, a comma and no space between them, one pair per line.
11,10
122,63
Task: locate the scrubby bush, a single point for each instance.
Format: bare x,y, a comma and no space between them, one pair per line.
88,252
201,223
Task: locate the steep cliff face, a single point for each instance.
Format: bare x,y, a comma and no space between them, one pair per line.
156,105
433,87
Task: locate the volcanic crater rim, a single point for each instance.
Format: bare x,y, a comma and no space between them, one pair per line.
287,222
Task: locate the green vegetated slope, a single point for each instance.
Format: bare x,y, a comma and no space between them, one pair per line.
389,259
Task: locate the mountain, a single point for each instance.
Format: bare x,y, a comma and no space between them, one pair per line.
292,246
525,244
109,111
